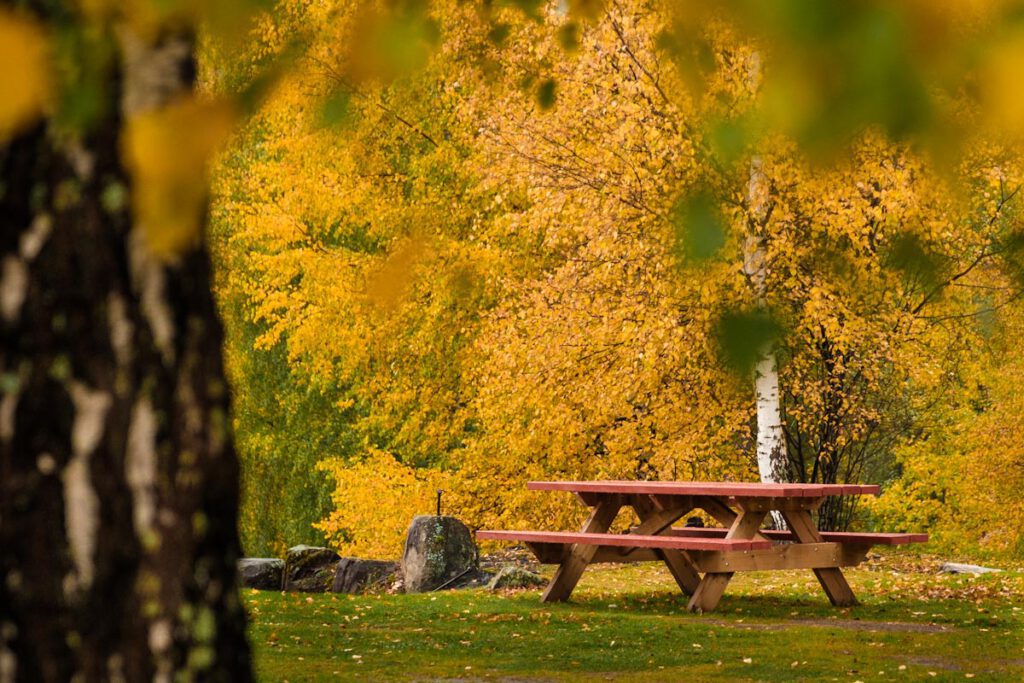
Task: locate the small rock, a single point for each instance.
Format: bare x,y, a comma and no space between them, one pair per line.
309,569
439,551
354,575
263,573
957,568
515,577
694,522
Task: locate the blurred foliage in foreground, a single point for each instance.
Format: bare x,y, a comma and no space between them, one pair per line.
466,245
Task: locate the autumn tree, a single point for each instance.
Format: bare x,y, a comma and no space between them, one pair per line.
572,200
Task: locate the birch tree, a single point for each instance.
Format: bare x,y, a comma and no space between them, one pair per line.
770,440
118,493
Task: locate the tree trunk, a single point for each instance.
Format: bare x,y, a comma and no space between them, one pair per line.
771,442
118,477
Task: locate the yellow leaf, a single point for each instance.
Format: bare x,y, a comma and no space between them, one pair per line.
25,77
167,151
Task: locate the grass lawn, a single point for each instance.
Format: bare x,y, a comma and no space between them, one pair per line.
628,623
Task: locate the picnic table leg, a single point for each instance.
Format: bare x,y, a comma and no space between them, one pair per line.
831,579
576,560
654,521
722,513
709,592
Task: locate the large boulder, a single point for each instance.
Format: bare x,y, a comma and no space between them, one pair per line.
353,575
439,551
512,577
309,569
263,573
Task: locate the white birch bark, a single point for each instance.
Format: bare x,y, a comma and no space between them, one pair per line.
771,446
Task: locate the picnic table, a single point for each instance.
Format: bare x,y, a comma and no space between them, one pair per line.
703,560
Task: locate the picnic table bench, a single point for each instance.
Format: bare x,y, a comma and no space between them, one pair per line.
717,553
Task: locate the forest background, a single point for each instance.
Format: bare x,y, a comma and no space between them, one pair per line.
520,258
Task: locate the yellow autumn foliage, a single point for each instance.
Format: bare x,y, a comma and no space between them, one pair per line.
962,478
477,277
375,499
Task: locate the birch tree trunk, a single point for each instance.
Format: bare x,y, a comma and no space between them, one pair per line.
771,443
771,446
118,476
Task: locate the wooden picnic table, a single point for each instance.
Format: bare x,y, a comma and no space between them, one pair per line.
703,560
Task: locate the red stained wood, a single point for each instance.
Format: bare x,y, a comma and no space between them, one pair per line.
828,536
624,540
693,488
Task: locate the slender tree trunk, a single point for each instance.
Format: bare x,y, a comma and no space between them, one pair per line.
771,442
118,477
771,445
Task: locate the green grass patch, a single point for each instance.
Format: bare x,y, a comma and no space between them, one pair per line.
629,623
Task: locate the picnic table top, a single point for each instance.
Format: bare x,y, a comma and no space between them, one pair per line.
704,488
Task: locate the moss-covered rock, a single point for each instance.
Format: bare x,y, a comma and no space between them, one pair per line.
309,569
438,550
354,575
263,573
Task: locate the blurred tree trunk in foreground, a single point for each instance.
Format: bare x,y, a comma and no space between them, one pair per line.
118,475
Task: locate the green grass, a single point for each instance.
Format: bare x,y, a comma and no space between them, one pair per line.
628,623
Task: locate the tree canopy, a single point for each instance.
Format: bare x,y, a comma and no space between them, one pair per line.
503,242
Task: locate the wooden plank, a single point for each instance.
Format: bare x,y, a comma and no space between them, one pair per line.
852,538
678,562
832,580
717,508
767,504
623,540
858,538
555,553
723,514
746,525
795,556
654,520
709,592
576,560
683,488
711,587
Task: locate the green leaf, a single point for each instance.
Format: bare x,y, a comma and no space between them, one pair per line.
336,110
546,94
728,138
743,336
499,34
907,253
569,36
699,226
